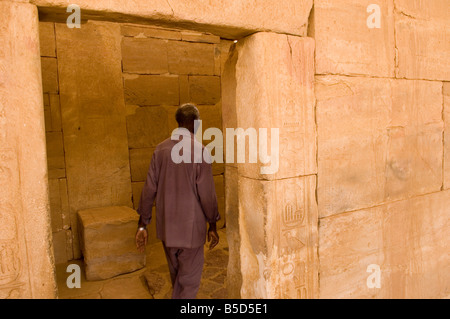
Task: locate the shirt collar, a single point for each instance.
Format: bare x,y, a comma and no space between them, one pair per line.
182,131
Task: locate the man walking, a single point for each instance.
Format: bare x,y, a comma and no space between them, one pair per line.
183,187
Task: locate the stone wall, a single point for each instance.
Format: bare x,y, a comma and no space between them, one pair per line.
26,253
269,83
382,147
123,104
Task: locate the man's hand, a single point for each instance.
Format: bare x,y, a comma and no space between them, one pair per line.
141,240
213,236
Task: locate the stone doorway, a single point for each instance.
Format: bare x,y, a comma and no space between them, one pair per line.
262,249
110,95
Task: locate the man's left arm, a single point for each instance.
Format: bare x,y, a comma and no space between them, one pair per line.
146,203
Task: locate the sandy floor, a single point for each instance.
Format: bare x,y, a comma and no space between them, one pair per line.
152,282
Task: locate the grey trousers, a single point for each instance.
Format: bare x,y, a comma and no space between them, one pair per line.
185,266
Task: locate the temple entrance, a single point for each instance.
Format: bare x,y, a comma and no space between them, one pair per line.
110,95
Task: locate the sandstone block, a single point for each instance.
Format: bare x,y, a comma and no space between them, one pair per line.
49,75
282,99
422,39
149,32
217,59
218,168
204,89
126,288
346,45
219,186
190,58
447,135
26,265
144,56
234,274
220,193
278,238
137,191
59,204
147,90
224,49
92,107
211,116
190,36
229,19
107,241
171,110
55,110
408,240
184,89
55,150
62,246
379,140
47,118
143,135
55,204
47,39
139,163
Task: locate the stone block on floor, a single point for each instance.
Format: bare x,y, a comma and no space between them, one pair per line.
107,241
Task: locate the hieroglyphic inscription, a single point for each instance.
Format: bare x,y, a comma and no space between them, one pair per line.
10,257
294,232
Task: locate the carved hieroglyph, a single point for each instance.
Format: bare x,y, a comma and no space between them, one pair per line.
278,230
26,258
268,83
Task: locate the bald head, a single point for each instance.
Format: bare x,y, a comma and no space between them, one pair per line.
186,115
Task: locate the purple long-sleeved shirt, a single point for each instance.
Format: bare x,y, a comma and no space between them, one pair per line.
185,193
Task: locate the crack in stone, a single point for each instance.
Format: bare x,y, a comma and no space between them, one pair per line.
173,12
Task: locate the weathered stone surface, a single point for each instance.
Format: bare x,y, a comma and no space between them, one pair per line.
134,286
422,34
282,97
234,277
191,36
144,56
48,118
151,89
137,191
55,113
204,89
447,135
171,110
379,140
344,42
55,151
47,39
278,238
211,116
219,186
184,89
149,32
155,282
59,204
26,266
49,75
93,117
220,193
226,18
140,162
407,239
143,135
62,246
108,241
224,49
190,58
